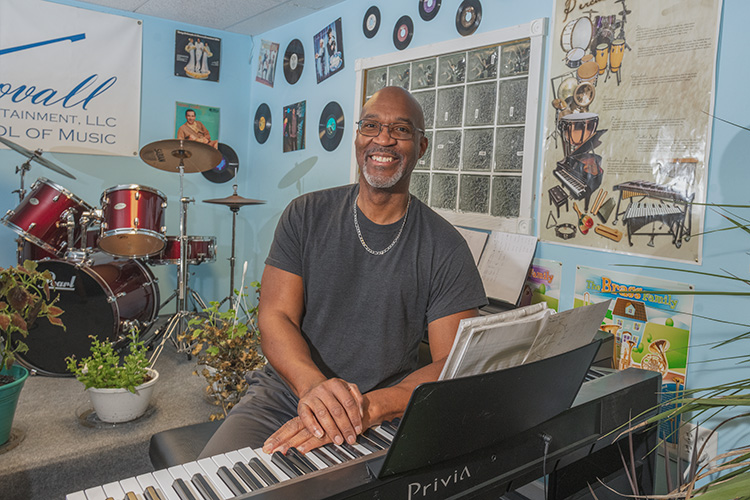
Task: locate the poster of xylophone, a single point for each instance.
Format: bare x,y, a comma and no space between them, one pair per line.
628,125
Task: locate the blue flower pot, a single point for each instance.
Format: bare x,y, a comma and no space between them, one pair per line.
9,399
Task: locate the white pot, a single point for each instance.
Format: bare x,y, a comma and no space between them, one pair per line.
121,405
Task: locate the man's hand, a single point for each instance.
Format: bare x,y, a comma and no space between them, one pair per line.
331,411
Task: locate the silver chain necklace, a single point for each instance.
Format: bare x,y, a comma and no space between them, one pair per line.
362,240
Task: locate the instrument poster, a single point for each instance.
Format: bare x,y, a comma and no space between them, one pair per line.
651,325
542,284
628,125
68,85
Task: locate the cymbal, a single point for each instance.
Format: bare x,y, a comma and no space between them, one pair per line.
36,156
170,153
235,201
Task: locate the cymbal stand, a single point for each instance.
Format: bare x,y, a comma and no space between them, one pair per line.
177,325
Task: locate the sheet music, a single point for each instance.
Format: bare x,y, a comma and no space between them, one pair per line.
476,241
505,263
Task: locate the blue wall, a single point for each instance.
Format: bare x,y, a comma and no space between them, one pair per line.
264,167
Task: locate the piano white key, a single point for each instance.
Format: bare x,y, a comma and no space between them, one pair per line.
210,469
78,495
131,484
146,480
165,480
113,490
315,460
193,468
95,493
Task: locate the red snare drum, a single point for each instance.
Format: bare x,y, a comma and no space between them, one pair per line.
199,249
42,216
99,297
133,221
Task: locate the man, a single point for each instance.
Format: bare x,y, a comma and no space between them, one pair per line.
193,130
354,276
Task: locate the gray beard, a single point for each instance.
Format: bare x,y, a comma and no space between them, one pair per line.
384,183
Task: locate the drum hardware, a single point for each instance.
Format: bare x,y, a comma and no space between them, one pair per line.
181,156
234,202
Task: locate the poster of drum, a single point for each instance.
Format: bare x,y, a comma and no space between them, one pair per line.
628,125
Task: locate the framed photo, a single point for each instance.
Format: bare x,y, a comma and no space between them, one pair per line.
196,122
294,127
197,56
328,47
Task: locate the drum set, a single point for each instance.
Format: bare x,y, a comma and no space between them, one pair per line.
97,255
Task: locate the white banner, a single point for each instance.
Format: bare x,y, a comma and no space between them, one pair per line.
70,79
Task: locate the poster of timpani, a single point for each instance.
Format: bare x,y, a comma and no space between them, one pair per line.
628,125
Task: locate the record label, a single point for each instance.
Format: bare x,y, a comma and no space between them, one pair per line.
428,9
371,22
294,61
468,17
403,32
262,123
331,126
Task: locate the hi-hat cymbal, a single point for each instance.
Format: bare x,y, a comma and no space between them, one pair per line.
169,154
36,156
235,202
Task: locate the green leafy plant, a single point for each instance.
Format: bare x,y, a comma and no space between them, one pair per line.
227,347
24,298
107,369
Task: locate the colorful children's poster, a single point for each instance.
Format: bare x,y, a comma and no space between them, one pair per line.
651,325
269,51
542,284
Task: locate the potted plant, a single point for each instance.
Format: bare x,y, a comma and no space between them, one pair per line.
226,348
24,297
120,386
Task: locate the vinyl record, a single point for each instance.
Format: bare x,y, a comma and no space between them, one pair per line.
294,61
371,22
262,125
331,126
428,9
226,169
402,32
468,17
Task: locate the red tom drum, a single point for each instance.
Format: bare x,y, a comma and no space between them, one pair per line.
199,249
133,221
43,216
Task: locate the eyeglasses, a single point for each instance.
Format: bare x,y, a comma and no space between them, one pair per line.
398,131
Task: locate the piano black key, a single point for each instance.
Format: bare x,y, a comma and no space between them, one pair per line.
306,464
232,482
248,476
368,443
204,487
183,490
130,496
152,493
208,468
337,452
264,472
354,452
389,428
165,480
285,465
379,438
324,457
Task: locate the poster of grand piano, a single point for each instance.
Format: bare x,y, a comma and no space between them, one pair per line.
628,125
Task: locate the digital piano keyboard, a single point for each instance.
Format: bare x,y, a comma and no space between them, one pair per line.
575,448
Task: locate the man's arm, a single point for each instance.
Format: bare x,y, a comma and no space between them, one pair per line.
329,408
381,404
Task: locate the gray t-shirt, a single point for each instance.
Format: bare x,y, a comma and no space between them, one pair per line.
365,314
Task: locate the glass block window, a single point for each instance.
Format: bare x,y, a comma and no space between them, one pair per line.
480,98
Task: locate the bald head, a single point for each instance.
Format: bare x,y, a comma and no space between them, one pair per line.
401,98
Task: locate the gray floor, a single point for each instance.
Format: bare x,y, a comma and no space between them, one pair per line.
61,452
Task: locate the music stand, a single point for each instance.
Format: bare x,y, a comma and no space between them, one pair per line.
234,202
